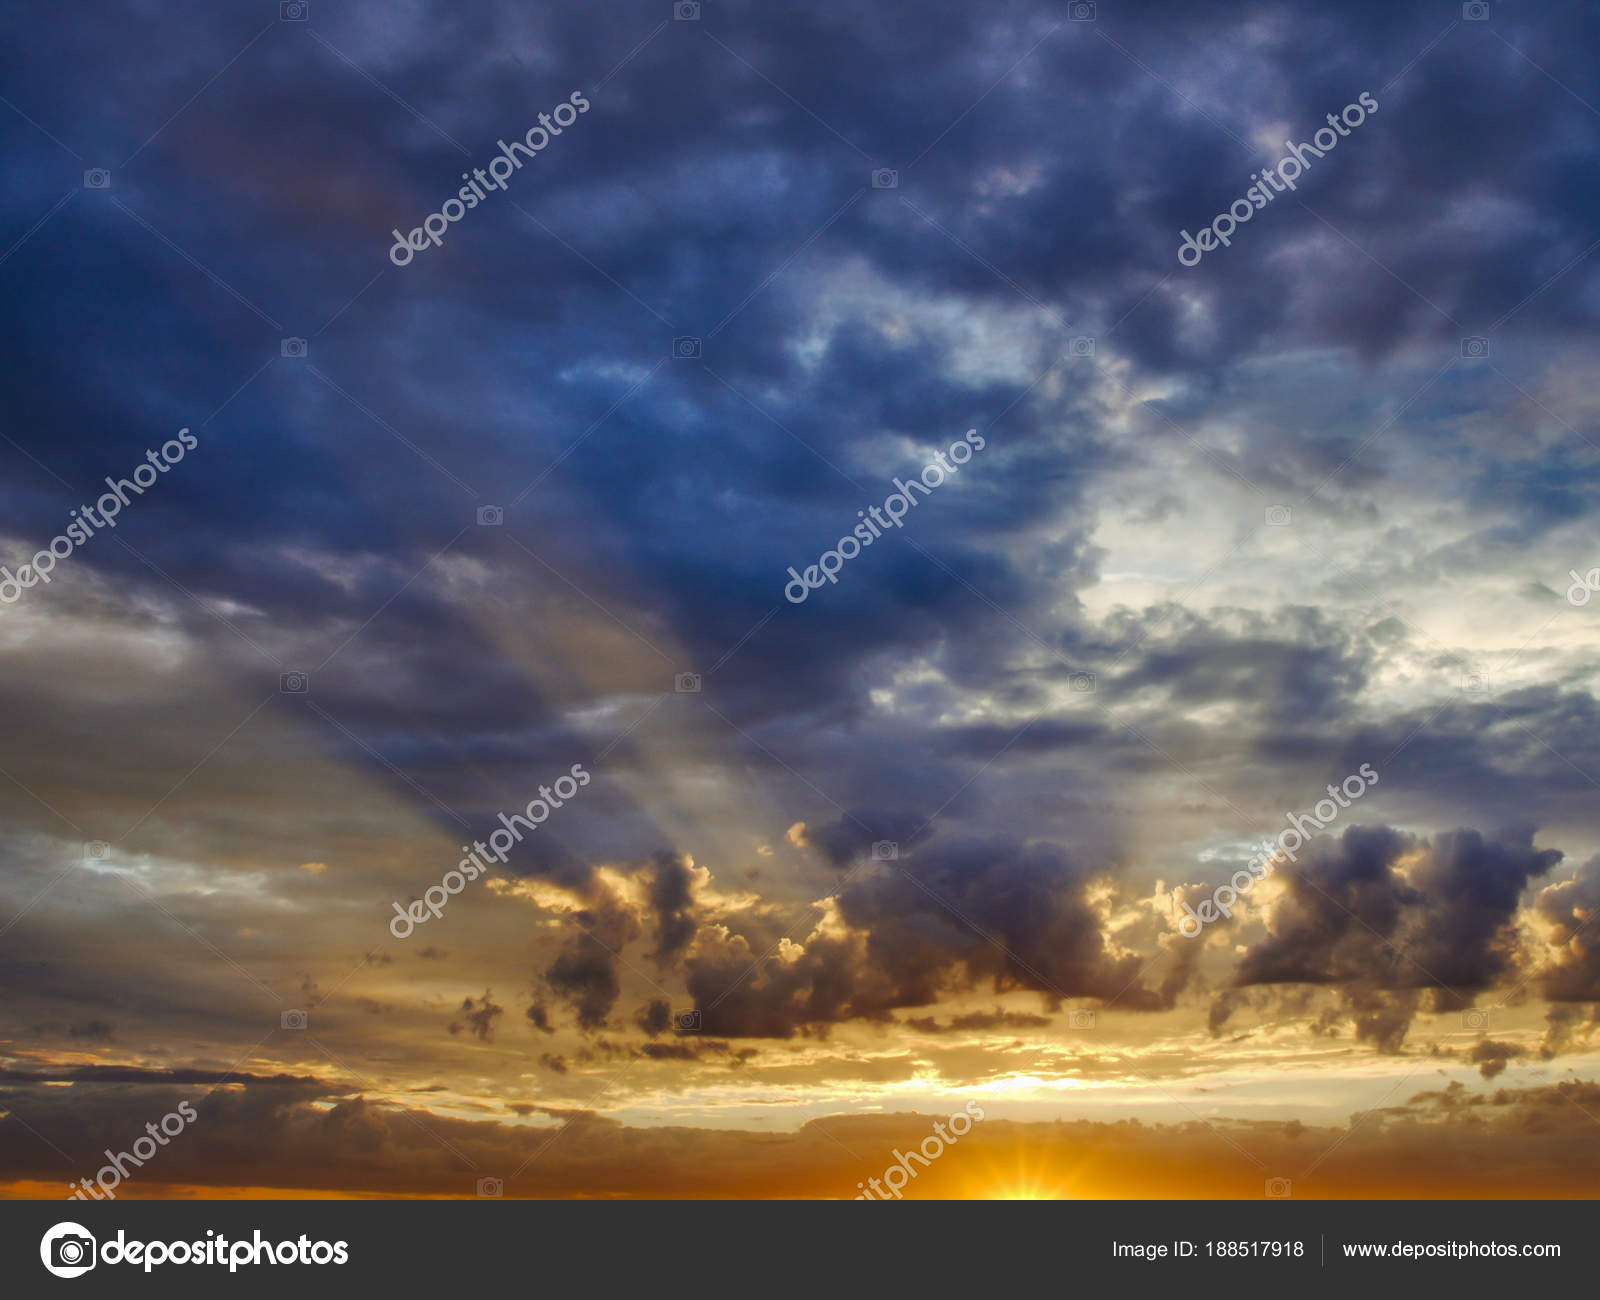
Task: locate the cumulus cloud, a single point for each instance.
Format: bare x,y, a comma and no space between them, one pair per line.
950,917
1572,908
584,973
1087,665
1399,912
671,900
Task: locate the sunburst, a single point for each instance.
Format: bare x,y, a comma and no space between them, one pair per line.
1031,1190
1025,1175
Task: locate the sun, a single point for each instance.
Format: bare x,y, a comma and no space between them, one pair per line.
1028,1191
1025,1174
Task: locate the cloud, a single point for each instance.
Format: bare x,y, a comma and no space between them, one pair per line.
584,974
855,833
1382,907
1491,1057
477,1017
1523,1142
1570,908
1385,917
1111,535
654,1018
671,899
997,911
147,1075
96,1030
978,1020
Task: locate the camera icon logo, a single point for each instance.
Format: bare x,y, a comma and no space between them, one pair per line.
686,347
1279,516
885,178
1477,1018
1082,346
294,683
686,683
293,348
885,851
97,178
293,11
292,1020
1081,1020
491,516
1081,11
686,1022
1477,683
1475,11
68,1250
686,11
1278,1188
96,851
1475,348
491,1186
1083,683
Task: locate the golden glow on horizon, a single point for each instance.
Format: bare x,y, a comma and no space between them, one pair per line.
1024,1192
1023,1174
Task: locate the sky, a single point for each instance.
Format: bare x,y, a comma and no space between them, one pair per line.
541,706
